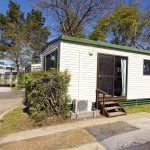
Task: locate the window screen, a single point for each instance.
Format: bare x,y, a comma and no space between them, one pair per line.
106,65
51,60
146,67
47,62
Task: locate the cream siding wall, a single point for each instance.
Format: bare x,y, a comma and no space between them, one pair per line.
69,59
83,69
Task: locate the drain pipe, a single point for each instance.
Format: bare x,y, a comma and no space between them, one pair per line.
79,65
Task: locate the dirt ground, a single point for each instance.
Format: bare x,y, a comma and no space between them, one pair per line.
57,141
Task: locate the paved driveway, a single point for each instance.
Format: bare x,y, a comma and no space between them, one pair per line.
9,99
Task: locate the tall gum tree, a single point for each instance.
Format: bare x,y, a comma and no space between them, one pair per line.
126,25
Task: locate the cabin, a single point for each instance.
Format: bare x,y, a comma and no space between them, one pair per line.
7,69
7,75
101,73
33,67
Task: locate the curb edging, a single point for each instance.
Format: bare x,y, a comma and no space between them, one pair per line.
4,113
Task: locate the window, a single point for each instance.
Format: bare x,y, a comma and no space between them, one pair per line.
47,67
146,67
51,61
44,63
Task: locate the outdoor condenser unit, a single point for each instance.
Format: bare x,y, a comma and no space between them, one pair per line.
80,105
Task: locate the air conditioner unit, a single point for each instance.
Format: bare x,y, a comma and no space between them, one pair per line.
80,105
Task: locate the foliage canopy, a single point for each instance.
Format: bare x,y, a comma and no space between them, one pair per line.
125,26
20,37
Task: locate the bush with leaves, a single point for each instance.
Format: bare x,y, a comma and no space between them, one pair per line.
47,93
20,81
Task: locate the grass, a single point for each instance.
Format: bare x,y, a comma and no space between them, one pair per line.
138,108
14,88
14,121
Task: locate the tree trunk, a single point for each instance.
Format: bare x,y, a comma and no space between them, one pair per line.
17,66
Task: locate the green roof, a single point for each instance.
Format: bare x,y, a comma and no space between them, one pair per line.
101,44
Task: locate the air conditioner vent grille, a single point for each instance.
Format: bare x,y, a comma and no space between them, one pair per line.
82,106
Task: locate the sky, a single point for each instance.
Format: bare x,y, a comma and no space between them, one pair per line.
24,4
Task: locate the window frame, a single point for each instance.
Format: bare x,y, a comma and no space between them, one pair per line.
48,56
146,73
114,76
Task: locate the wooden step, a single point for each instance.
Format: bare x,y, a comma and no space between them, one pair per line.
113,107
109,103
114,114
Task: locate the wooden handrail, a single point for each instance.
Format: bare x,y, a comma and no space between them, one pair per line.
102,92
97,98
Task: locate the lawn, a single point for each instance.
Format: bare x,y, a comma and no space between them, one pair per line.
138,108
14,121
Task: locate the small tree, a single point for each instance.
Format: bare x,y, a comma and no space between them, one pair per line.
47,93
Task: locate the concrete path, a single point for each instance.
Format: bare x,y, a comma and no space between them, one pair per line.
5,89
68,126
93,146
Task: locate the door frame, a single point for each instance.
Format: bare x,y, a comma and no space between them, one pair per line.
119,97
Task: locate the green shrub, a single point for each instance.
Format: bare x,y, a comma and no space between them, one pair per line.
20,81
46,93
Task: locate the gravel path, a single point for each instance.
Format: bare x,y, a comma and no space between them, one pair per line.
102,132
133,140
145,146
120,142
